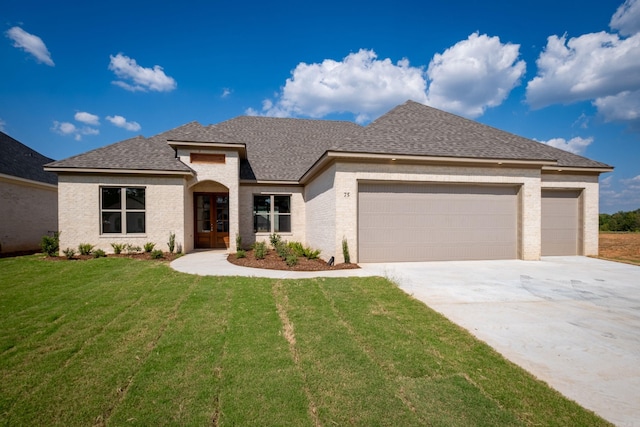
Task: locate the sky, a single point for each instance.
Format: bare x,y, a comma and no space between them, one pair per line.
75,76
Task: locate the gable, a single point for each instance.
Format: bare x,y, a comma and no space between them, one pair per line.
21,161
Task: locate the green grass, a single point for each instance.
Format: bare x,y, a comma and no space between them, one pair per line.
113,341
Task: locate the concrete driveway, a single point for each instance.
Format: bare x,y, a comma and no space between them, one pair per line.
573,322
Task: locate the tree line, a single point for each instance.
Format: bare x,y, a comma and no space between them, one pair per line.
621,221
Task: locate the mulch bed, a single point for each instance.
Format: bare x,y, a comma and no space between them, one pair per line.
273,262
166,256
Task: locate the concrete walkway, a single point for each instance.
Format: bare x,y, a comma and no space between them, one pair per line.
573,322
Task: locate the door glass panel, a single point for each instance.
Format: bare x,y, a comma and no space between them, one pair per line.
203,214
222,213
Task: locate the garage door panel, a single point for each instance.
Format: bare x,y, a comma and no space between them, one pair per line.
409,222
560,222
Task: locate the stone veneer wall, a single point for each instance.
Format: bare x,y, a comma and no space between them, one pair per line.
79,213
28,211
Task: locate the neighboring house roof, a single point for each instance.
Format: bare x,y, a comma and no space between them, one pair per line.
21,161
284,149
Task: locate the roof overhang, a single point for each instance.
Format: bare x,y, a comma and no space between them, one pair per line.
569,169
267,182
331,156
31,182
118,171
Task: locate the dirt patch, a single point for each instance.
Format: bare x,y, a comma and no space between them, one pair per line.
273,262
623,247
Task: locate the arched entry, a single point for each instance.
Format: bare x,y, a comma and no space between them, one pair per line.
211,215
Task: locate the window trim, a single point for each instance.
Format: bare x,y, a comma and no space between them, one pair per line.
272,214
123,210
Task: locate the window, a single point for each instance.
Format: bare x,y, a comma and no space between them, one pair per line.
122,210
271,214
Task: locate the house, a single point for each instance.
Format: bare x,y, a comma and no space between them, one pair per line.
416,184
28,197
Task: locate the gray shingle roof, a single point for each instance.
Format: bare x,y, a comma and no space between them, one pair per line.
416,129
283,149
21,161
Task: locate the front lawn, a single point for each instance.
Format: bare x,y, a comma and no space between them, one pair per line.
126,342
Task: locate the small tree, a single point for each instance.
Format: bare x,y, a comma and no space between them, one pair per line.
172,242
345,251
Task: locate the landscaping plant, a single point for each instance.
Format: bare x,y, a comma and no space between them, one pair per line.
99,253
118,248
260,250
51,244
157,254
345,251
172,242
69,253
148,247
85,248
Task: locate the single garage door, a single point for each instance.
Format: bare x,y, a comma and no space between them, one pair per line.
436,222
561,222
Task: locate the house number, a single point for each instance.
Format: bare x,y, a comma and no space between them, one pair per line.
346,194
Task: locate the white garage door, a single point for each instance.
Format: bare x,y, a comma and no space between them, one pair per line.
436,222
561,219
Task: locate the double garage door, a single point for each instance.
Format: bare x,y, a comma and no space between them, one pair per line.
435,222
441,222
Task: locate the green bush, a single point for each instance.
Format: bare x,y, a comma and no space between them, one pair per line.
345,252
172,242
51,244
311,253
260,250
238,242
156,254
275,239
291,260
118,247
148,247
303,251
241,253
69,253
282,249
85,248
131,249
296,248
99,253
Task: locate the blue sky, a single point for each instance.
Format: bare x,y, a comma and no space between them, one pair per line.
80,75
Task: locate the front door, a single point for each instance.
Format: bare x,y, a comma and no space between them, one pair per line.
211,220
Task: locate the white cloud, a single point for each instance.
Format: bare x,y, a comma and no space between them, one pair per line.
623,107
467,78
627,18
474,74
142,79
30,43
586,67
226,92
87,118
121,122
69,129
575,145
621,195
360,84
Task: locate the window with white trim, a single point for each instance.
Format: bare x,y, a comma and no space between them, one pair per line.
271,213
122,210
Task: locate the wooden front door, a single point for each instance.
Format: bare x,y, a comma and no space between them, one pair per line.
211,220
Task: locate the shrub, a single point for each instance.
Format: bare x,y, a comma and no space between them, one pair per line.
118,247
275,239
69,253
345,251
282,249
99,253
241,253
51,244
311,253
85,248
178,248
172,241
131,249
148,247
238,242
156,254
291,260
260,250
296,248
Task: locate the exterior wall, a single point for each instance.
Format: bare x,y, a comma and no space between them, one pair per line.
320,196
28,210
348,175
590,203
79,213
298,213
213,177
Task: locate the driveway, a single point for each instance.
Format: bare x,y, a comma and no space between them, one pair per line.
573,322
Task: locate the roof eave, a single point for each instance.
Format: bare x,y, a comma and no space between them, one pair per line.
31,182
117,171
242,148
577,169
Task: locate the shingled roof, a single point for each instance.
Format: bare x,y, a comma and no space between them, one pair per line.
21,161
284,149
416,129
